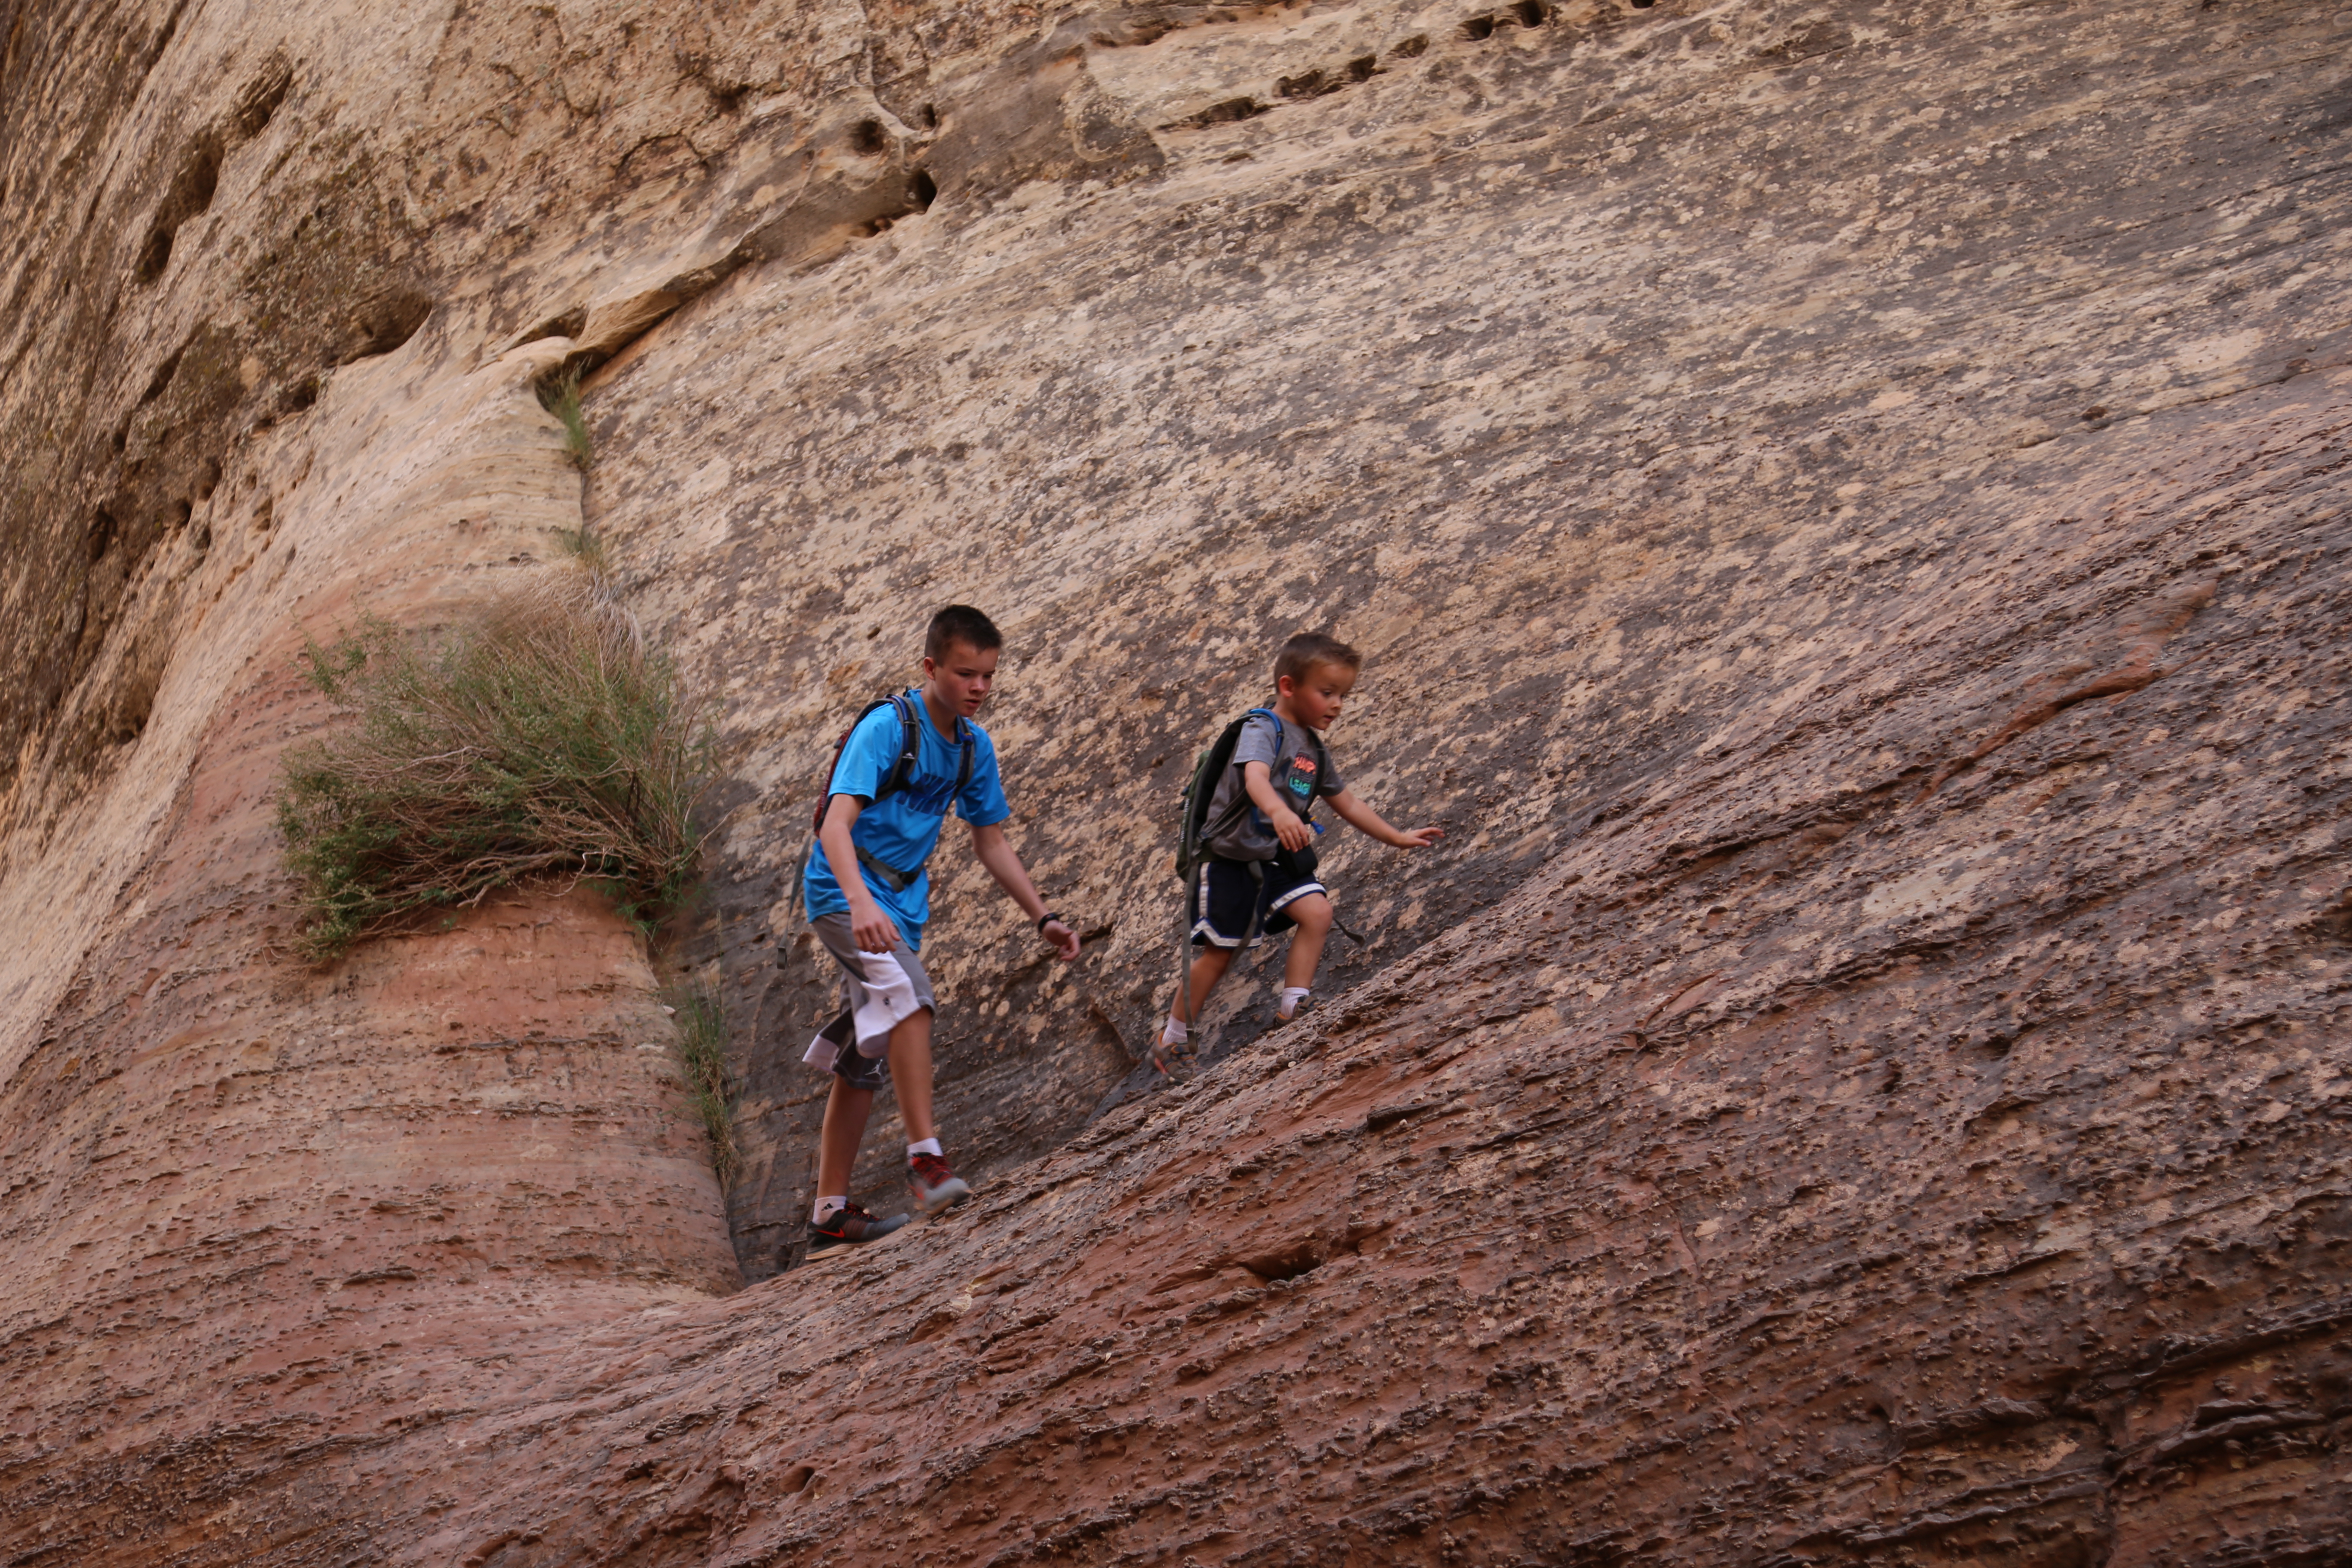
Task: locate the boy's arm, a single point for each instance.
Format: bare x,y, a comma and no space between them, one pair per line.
1365,820
1288,831
1004,863
873,930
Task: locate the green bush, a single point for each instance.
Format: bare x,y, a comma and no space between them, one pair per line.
539,737
702,1054
560,395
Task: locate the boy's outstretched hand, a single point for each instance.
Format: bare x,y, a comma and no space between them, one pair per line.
996,853
1370,822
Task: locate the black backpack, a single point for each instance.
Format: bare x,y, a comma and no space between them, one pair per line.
902,768
1208,769
1192,842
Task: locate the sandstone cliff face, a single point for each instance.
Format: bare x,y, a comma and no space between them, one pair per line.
1846,505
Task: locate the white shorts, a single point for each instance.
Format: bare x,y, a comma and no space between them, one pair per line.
882,990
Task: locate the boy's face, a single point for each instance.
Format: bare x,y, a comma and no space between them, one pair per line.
961,676
1316,696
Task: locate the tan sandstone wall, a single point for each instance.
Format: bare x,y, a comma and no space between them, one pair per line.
1847,506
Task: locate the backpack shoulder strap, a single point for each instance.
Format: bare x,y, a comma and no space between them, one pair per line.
1269,713
825,786
967,746
1280,735
1281,731
911,742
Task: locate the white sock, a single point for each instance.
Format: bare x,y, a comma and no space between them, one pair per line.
1292,995
1176,1032
928,1146
826,1208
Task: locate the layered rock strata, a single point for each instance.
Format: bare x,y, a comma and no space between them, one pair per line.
1845,504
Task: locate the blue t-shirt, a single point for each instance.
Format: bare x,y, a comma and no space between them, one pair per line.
902,828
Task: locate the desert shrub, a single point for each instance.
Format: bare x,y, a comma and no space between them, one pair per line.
702,1054
539,737
560,395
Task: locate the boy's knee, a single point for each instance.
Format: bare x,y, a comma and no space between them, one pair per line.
1311,915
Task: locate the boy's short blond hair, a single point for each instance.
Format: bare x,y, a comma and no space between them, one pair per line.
1302,653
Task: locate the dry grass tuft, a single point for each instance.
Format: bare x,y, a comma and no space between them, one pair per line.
539,737
586,548
702,1054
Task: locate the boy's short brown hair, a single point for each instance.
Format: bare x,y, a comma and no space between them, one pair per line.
960,624
1307,650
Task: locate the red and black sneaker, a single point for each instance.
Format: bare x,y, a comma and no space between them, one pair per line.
935,1186
848,1228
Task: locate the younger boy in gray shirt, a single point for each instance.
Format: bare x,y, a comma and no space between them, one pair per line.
1254,879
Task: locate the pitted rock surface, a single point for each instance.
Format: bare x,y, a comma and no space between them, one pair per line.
1845,505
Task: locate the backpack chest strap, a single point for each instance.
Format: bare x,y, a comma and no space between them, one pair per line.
897,881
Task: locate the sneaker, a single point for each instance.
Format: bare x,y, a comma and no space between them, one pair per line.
848,1228
1306,1005
934,1185
1171,1059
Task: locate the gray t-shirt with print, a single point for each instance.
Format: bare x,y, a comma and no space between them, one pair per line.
1288,752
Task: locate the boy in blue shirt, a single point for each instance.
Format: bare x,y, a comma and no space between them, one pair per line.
884,807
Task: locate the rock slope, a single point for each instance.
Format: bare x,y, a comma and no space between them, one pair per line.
1846,505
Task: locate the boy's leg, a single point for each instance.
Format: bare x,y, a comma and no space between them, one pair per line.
845,1128
910,1073
1222,906
1312,915
1174,1045
935,1186
838,1223
1209,966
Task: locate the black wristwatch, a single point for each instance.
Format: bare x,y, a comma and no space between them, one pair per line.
1047,919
